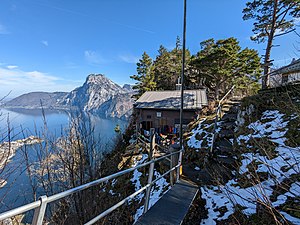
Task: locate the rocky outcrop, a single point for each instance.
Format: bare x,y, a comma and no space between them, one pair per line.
128,87
98,95
119,106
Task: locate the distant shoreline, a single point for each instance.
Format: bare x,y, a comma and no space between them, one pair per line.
8,150
58,110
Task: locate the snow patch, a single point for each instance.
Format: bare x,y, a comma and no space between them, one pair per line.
273,127
201,130
157,189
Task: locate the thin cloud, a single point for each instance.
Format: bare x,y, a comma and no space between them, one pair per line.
93,57
3,29
129,58
132,27
19,82
71,65
296,21
45,43
11,67
78,13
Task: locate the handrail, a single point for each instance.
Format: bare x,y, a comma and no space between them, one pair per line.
218,111
146,141
222,99
45,200
128,198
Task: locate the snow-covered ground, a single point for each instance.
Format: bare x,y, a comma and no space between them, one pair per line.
157,190
200,131
273,126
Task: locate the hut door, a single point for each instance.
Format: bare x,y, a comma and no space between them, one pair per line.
148,125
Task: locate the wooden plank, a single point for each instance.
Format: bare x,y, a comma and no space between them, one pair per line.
172,207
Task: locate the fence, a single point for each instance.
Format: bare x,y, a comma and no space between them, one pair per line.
40,206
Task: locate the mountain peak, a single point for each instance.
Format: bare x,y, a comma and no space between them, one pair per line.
98,94
97,78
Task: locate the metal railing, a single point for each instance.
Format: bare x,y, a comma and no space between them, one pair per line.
218,115
142,139
41,205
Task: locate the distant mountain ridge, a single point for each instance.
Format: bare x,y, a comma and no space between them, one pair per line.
98,95
34,100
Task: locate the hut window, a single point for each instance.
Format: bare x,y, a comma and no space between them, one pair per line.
148,116
158,114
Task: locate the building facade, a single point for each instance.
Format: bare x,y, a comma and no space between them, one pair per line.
286,74
161,109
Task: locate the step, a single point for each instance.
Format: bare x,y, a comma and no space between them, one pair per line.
233,101
234,109
226,108
236,98
173,206
223,151
198,176
229,125
223,145
224,133
229,117
226,160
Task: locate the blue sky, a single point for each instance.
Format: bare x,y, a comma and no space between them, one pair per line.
52,45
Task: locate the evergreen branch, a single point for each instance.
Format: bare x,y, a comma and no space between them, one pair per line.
296,33
277,35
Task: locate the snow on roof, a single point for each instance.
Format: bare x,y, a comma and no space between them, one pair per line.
193,99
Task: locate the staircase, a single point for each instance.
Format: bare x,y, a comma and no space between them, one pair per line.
221,161
223,151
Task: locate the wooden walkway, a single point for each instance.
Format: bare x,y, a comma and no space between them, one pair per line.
172,207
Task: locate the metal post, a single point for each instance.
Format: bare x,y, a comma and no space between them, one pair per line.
151,170
152,142
182,74
39,212
182,88
172,172
148,190
172,164
179,168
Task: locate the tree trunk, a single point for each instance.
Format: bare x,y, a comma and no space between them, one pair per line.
266,77
217,92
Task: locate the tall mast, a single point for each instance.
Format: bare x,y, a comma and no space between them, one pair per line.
182,74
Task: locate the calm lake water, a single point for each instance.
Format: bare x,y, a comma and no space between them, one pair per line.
24,123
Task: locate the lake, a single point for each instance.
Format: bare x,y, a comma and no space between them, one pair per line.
23,123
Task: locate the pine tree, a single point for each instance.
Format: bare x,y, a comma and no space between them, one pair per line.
145,76
161,68
273,18
223,63
167,66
